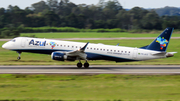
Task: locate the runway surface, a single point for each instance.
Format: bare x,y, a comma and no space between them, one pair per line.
94,69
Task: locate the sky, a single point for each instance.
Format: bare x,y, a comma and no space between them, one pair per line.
128,4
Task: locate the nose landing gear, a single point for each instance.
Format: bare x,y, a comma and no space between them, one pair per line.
19,57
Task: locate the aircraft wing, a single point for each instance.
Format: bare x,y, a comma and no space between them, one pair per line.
159,54
80,54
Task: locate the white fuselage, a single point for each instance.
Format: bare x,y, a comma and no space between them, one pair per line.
93,51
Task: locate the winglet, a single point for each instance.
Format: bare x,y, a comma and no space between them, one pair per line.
117,44
82,49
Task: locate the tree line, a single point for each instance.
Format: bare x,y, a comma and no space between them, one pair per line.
63,13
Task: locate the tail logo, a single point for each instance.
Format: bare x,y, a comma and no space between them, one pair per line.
163,42
53,44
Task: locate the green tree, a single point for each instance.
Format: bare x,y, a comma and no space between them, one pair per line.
2,17
124,19
5,34
35,21
53,4
151,21
18,16
9,34
136,15
100,24
112,23
111,9
65,8
72,20
81,21
40,7
51,19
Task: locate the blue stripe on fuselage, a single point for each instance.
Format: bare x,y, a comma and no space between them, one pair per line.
40,51
90,56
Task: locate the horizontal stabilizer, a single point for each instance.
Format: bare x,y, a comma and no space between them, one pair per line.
170,54
159,54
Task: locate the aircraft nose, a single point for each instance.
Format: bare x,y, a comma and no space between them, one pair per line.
4,46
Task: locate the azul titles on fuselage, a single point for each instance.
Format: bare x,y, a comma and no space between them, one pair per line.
71,51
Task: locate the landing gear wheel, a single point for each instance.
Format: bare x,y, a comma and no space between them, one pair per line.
79,65
86,65
19,58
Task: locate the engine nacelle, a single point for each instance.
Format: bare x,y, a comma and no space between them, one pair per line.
61,57
57,56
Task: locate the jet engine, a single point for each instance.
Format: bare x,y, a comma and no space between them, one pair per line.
61,57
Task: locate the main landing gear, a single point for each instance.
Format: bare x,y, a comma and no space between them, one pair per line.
19,57
79,64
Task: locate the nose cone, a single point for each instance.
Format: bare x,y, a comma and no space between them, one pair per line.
5,46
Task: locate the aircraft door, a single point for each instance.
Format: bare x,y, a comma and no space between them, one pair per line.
135,53
23,42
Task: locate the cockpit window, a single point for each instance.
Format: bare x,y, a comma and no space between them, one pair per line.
13,40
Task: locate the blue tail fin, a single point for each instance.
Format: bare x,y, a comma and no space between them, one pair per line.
162,41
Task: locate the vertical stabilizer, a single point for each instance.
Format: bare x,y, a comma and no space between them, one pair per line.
162,41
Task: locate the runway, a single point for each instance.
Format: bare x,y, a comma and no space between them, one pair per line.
94,69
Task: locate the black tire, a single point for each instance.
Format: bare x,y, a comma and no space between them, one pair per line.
18,58
79,65
86,65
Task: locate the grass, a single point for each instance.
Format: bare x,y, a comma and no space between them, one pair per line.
93,35
90,87
9,57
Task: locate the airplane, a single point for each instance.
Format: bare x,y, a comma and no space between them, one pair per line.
71,51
